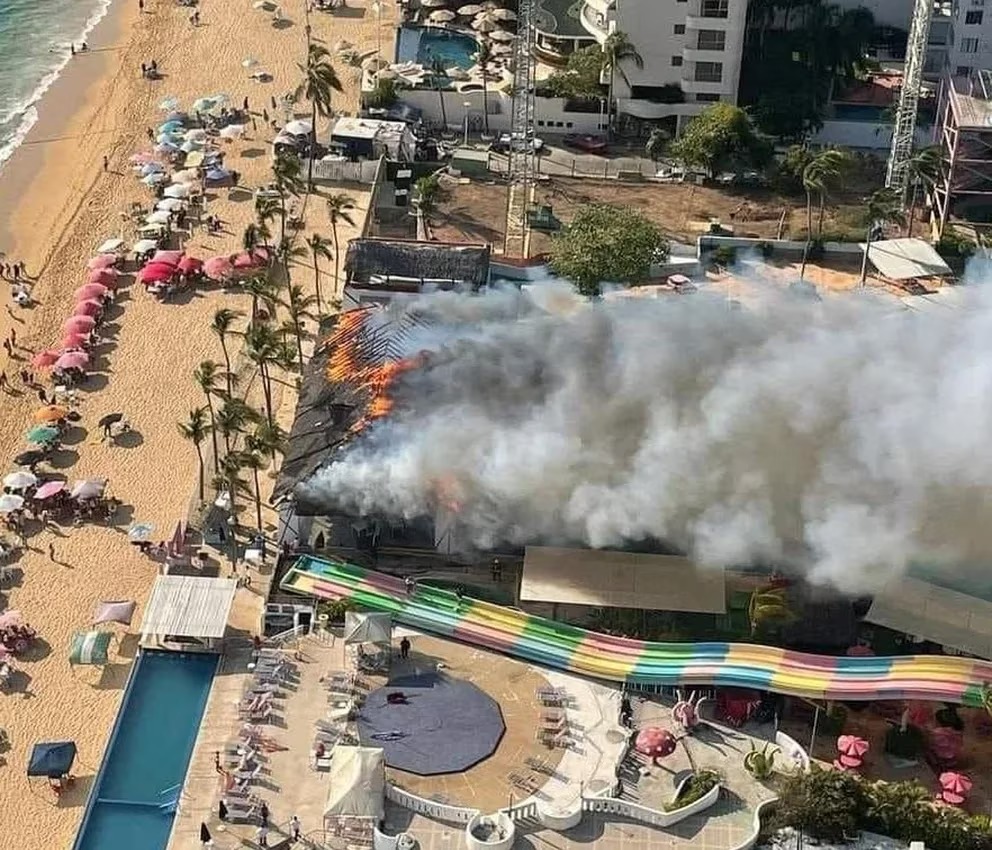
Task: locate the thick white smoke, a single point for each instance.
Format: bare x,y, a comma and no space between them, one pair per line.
846,436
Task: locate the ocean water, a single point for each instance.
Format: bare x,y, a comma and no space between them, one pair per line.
34,48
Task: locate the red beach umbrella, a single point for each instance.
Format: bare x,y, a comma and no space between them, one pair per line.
91,290
79,324
244,261
156,273
106,277
170,258
45,359
189,264
655,742
72,360
954,787
102,261
88,308
218,268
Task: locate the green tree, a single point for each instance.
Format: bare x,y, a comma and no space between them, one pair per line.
286,174
438,73
206,377
657,143
263,290
253,459
606,243
266,211
824,804
617,50
319,83
581,77
320,249
383,95
269,439
483,57
195,429
250,237
922,173
820,174
262,348
221,325
339,207
883,207
299,306
428,191
721,138
232,418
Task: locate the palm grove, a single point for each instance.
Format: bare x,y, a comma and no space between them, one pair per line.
232,436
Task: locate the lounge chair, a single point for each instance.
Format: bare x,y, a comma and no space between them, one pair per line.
242,814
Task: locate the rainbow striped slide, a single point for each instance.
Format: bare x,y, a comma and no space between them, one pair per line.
617,659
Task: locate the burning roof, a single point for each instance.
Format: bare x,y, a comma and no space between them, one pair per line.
347,386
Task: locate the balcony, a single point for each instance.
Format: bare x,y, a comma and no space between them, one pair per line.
595,20
694,86
699,22
695,54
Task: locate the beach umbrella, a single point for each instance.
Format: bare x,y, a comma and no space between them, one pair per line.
196,134
298,127
87,308
190,264
501,35
171,204
441,16
655,742
143,246
143,157
156,273
170,257
152,168
106,277
91,488
218,268
187,175
110,246
52,759
263,4
249,62
203,104
49,413
233,131
75,340
433,4
168,104
91,290
469,10
44,359
29,458
176,190
114,611
41,434
49,489
954,787
73,360
504,14
194,159
140,531
154,179
483,23
102,261
501,49
216,175
9,502
78,324
155,230
170,127
455,73
166,147
158,217
190,146
20,480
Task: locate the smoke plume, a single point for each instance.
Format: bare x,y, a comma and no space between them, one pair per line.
848,437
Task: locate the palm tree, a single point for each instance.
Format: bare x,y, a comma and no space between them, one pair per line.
250,237
428,191
195,430
338,206
266,211
233,416
221,326
206,376
299,304
320,248
269,438
252,459
263,349
883,207
923,170
319,80
438,73
264,289
812,182
286,172
618,49
819,174
483,56
229,477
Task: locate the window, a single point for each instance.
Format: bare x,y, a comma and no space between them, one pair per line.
711,40
977,4
676,61
714,8
969,45
680,29
962,71
973,18
709,72
707,98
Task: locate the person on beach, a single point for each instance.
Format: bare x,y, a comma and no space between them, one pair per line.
51,552
13,338
295,828
141,5
106,162
4,383
72,49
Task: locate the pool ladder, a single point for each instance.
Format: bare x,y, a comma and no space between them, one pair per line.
170,804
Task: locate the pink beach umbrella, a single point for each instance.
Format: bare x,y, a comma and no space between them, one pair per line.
49,489
105,277
655,743
156,273
73,360
44,359
75,340
954,787
102,261
79,324
189,264
218,268
170,258
91,290
88,308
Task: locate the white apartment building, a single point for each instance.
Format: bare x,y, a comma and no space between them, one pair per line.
695,45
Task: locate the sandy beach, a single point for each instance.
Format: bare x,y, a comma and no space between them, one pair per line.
56,205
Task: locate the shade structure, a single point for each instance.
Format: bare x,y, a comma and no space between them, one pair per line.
90,291
298,127
484,24
159,217
357,782
110,246
50,413
441,16
154,178
170,204
77,324
187,175
74,341
102,261
433,4
469,10
104,277
73,360
218,268
156,273
41,434
20,480
52,759
189,606
140,531
44,359
655,742
29,458
143,246
170,257
90,488
116,611
48,490
232,131
176,190
502,35
90,648
504,14
9,502
87,308
362,627
190,264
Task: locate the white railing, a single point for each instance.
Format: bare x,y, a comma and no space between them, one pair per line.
522,810
653,817
286,636
429,808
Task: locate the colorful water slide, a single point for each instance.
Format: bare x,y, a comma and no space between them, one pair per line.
601,656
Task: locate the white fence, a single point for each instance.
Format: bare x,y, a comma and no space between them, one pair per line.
429,808
624,808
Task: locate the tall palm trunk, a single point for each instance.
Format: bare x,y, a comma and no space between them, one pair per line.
337,258
809,233
440,97
864,259
485,102
267,391
213,432
258,497
819,216
227,366
199,457
316,286
313,144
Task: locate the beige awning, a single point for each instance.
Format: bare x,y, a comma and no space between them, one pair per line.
189,607
936,614
607,579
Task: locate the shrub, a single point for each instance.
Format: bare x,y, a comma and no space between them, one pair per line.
825,804
723,256
816,249
952,246
698,786
383,96
833,719
760,763
335,610
905,743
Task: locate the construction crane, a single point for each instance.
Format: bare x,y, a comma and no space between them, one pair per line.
909,98
522,167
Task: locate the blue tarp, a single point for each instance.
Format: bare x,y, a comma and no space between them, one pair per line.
52,759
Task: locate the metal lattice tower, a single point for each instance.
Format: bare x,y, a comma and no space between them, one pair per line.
522,166
909,98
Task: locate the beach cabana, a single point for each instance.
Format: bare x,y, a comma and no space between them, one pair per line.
357,783
52,759
90,648
370,635
188,608
116,611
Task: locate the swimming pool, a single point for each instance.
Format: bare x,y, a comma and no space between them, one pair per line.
425,44
131,806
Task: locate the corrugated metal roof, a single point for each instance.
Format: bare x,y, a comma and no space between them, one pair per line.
905,259
189,606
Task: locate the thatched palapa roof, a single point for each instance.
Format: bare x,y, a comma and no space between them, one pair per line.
382,262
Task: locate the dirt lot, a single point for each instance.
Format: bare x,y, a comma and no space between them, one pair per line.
474,212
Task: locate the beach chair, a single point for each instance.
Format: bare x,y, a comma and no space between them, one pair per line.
242,779
242,814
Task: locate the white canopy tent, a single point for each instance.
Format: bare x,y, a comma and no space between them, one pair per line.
358,784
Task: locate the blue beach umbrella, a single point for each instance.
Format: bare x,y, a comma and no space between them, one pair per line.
52,759
42,434
203,104
170,127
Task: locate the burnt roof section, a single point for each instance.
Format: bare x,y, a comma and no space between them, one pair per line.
371,262
344,388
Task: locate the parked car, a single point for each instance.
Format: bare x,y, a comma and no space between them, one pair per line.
503,144
586,143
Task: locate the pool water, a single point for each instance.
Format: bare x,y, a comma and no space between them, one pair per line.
149,753
425,44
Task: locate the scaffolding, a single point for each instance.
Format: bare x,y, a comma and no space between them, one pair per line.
909,98
522,169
